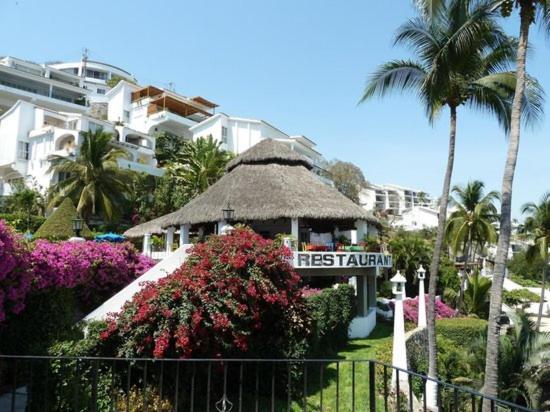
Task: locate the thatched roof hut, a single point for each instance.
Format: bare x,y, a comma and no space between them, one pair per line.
268,181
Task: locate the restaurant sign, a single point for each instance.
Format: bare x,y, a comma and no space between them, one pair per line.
306,260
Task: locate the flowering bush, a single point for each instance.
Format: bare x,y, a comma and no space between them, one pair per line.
236,294
15,280
410,309
95,269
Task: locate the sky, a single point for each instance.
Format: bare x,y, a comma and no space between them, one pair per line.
298,64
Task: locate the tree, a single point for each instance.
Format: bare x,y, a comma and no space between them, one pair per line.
527,11
202,162
471,225
476,296
409,251
95,182
59,225
27,201
524,362
537,225
168,148
462,57
347,178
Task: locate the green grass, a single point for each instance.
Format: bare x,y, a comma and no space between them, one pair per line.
356,349
526,283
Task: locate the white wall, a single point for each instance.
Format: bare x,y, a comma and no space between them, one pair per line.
417,218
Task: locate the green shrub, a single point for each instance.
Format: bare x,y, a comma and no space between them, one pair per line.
20,221
519,296
332,311
49,316
461,331
385,290
59,225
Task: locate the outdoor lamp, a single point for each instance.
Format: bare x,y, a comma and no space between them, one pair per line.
78,224
421,273
228,213
398,283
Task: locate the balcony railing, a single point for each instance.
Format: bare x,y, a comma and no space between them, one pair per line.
84,383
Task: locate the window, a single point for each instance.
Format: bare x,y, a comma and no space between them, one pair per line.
96,74
127,116
92,127
100,91
22,150
224,134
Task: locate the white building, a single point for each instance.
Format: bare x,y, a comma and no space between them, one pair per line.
44,108
239,134
405,207
42,85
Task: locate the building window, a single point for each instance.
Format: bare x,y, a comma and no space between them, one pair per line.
93,127
127,116
100,91
224,134
96,74
22,150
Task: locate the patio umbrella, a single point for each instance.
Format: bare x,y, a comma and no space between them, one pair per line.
110,237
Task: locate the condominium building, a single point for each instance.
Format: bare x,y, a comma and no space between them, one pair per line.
239,134
405,207
44,108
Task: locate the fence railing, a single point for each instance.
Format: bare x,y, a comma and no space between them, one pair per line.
31,383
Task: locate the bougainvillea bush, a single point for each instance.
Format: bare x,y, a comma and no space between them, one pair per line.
236,295
95,270
410,309
15,279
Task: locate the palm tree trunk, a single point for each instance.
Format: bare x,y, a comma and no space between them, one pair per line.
493,329
434,267
541,304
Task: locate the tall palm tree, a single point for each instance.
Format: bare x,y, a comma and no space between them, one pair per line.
528,9
201,163
94,180
472,225
462,56
537,226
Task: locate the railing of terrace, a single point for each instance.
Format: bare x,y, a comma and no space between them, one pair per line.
31,383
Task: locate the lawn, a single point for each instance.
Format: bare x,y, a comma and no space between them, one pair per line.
356,349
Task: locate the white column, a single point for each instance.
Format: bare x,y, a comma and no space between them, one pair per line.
295,229
184,234
147,244
399,355
170,238
421,304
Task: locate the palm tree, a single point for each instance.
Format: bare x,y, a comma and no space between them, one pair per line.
202,163
537,225
528,9
94,180
524,362
461,59
472,225
476,296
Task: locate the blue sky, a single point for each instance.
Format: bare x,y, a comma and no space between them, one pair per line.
298,64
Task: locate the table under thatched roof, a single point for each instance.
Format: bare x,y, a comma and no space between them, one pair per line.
268,181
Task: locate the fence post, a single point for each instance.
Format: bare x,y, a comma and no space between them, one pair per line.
372,386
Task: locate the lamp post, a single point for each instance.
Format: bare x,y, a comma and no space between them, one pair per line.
78,225
228,215
421,274
399,355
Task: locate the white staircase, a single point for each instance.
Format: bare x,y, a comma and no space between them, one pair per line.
160,270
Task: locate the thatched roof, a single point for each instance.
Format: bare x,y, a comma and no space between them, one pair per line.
268,181
153,227
59,225
269,151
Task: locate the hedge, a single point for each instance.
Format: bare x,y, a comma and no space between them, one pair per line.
332,311
59,225
20,221
519,296
454,336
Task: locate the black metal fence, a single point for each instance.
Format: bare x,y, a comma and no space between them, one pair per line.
29,383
